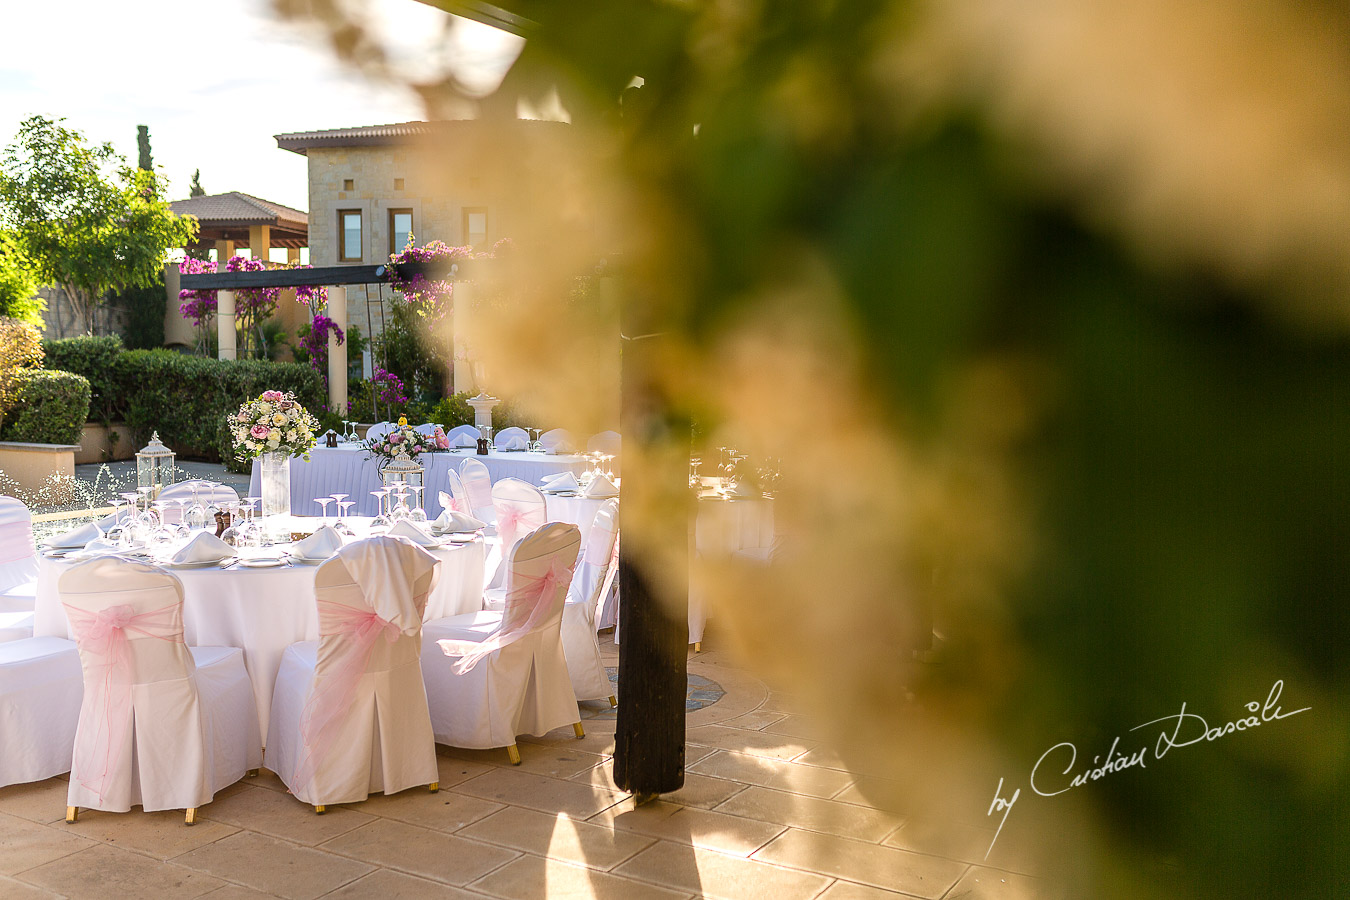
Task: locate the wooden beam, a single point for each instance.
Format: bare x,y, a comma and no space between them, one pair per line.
456,270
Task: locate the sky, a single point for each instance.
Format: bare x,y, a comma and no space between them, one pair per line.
215,81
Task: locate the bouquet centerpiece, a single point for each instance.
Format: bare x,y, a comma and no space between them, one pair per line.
273,423
401,439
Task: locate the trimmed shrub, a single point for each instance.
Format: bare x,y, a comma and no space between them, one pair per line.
52,408
94,358
452,411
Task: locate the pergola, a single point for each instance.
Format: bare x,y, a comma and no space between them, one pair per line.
233,221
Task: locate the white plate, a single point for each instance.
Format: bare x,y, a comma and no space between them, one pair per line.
306,561
262,562
199,564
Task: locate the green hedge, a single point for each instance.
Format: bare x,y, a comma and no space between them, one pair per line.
52,408
92,357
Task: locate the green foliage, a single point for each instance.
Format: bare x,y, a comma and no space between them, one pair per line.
144,159
18,285
87,221
20,352
452,411
51,408
406,348
508,413
144,308
195,189
94,358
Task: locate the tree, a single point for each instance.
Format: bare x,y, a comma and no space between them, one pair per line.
20,350
87,221
195,189
18,287
145,162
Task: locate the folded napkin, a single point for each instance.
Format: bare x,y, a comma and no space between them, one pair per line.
323,543
566,482
406,529
547,480
103,544
76,537
464,440
454,522
600,487
204,547
513,442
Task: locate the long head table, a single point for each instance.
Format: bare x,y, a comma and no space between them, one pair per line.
264,611
352,470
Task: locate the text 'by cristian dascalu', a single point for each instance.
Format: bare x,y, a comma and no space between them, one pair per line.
1051,774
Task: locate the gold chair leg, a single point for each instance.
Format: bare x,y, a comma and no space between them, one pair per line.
434,787
320,809
612,701
576,726
253,773
513,754
698,646
72,813
191,818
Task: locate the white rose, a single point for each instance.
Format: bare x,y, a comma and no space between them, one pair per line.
290,435
251,445
273,436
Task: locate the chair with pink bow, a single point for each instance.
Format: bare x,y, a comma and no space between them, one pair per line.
349,712
519,508
459,497
594,573
162,725
40,689
491,676
477,482
18,571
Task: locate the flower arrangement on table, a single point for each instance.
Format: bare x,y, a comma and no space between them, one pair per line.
273,423
401,438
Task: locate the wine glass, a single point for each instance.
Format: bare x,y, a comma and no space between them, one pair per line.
342,527
323,504
534,443
381,520
400,509
417,513
196,515
695,481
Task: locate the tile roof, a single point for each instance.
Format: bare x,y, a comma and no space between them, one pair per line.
375,135
240,208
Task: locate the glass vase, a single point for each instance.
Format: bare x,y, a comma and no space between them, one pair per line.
276,484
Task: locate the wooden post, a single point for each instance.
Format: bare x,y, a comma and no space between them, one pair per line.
654,599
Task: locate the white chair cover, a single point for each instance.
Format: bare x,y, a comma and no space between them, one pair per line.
349,713
590,583
519,508
459,497
557,441
18,558
605,442
15,626
512,438
478,486
160,726
40,690
464,436
493,675
427,429
379,430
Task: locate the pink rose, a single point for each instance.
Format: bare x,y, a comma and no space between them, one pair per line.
287,404
395,438
259,432
272,396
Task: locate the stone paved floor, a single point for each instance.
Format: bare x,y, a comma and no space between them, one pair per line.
765,812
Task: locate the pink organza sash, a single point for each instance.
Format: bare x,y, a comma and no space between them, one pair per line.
105,648
334,690
16,542
529,604
512,519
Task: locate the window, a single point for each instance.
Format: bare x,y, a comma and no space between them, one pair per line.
475,225
400,229
349,235
398,184
348,184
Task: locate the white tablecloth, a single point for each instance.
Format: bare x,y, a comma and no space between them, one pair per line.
263,611
346,469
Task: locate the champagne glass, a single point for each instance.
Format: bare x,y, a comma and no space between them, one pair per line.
381,520
196,515
417,513
534,443
323,504
344,507
695,481
231,533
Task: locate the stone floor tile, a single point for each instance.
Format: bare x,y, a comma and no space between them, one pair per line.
755,743
981,883
784,776
756,719
953,840
102,872
452,770
797,726
883,867
811,813
733,835
442,811
550,795
419,851
599,739
557,837
38,801
283,816
848,890
531,877
25,844
274,867
707,873
18,890
878,793
556,760
781,702
159,834
386,884
699,790
236,892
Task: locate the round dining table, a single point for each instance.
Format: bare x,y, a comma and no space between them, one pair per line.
263,611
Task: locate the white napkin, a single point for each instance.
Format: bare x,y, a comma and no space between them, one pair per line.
463,440
76,537
103,544
404,528
323,543
565,482
547,480
600,487
454,522
204,547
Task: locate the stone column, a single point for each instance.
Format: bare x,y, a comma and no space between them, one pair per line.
337,355
482,411
225,324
